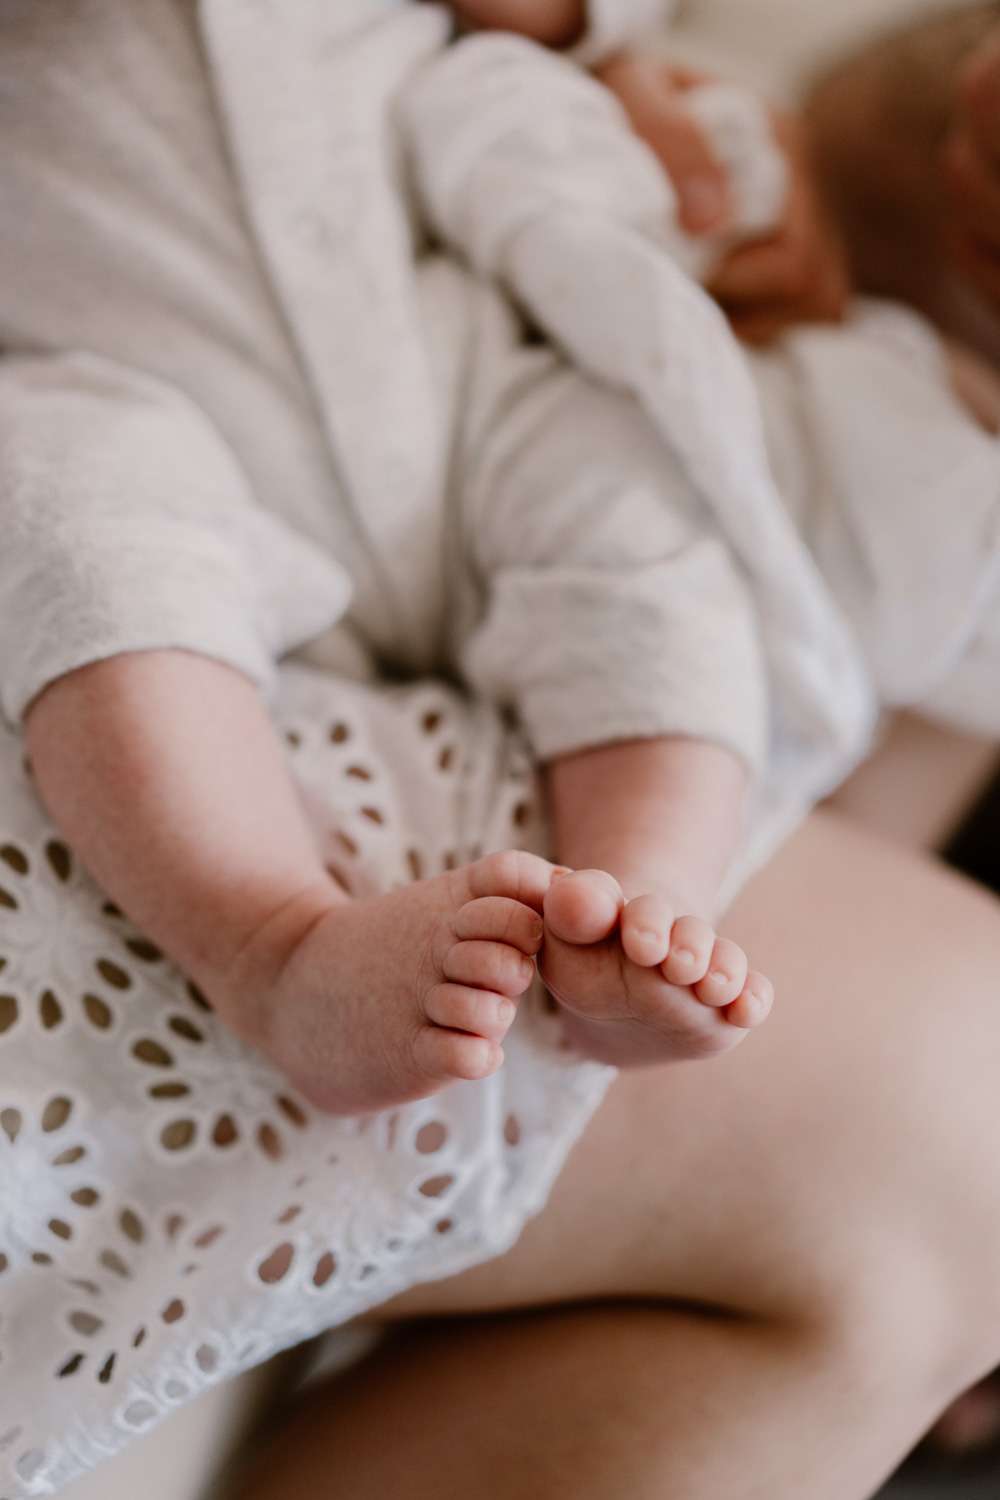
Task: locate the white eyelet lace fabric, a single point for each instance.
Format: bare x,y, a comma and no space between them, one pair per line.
170,1211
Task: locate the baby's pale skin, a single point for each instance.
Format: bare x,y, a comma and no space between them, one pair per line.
165,773
641,980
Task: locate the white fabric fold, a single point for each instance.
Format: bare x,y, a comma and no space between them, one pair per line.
613,24
307,108
563,645
541,189
128,526
903,514
606,608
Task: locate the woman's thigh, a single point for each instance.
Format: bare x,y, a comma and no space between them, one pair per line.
851,1144
919,783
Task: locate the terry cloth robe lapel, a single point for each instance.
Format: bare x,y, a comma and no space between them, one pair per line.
304,89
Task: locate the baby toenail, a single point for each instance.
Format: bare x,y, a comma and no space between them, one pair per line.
649,933
720,977
685,953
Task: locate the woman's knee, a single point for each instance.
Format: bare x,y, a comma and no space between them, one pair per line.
884,1110
901,1323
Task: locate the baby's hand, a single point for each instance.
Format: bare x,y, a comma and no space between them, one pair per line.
652,94
798,273
372,1003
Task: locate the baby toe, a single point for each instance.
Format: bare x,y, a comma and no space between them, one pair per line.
727,974
489,966
510,873
461,1007
503,920
691,944
646,924
446,1055
583,907
753,1006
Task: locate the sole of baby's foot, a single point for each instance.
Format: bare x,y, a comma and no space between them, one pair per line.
388,1000
638,985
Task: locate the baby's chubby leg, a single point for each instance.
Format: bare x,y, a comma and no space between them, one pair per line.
608,613
371,1003
640,978
164,772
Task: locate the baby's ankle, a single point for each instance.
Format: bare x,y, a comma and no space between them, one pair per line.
252,968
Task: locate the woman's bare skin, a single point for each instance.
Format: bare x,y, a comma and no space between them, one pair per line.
763,1279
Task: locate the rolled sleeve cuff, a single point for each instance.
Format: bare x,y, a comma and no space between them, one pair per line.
130,526
154,590
587,661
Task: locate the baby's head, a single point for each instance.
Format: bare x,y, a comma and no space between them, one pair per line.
877,123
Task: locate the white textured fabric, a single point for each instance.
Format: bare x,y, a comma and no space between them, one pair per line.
897,489
170,1212
297,381
105,547
575,218
214,413
291,390
612,25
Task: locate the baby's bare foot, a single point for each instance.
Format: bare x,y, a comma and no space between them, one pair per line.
387,1000
638,985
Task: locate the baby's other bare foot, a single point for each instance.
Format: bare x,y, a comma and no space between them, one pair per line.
639,985
382,1001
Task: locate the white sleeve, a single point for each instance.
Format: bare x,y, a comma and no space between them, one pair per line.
501,132
129,526
542,188
609,609
613,24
